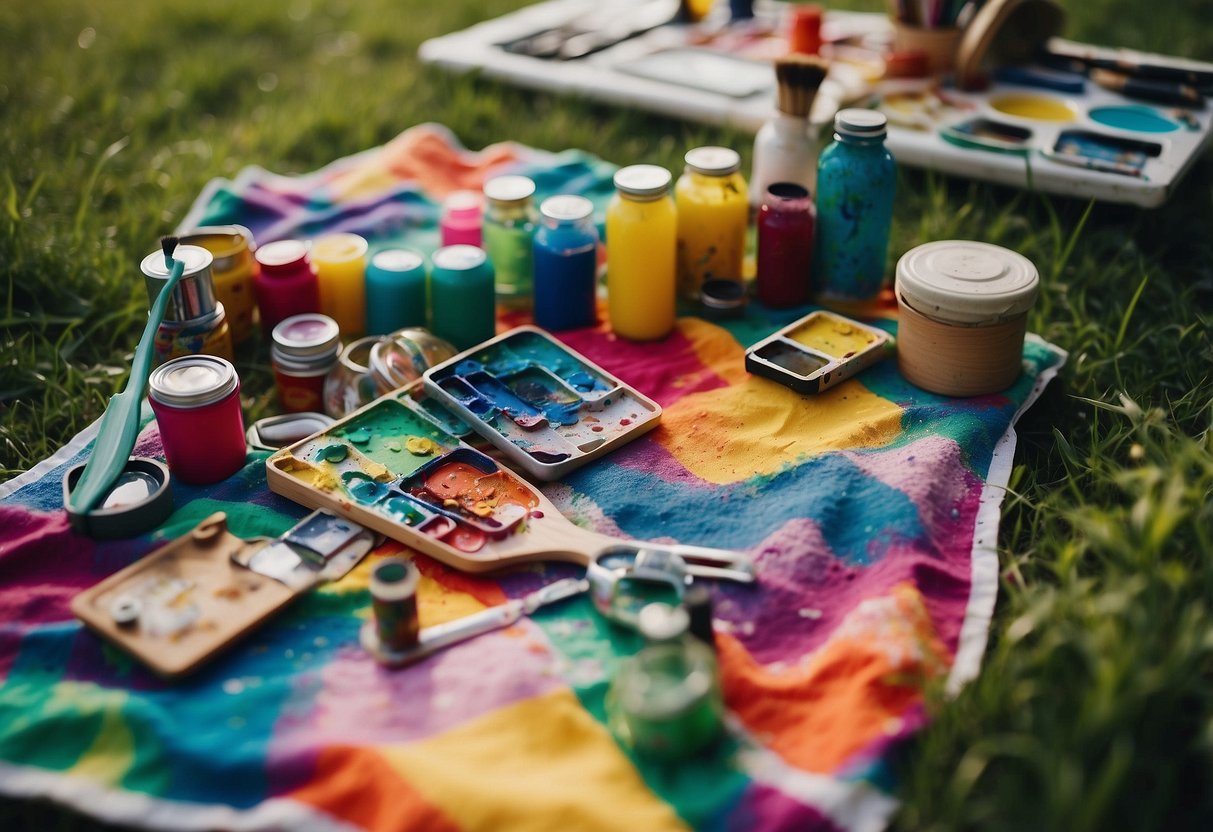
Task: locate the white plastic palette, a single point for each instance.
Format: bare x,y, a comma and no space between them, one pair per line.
548,409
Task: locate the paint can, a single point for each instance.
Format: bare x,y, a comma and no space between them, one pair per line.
196,400
195,322
305,350
232,247
394,603
461,219
285,284
463,305
963,310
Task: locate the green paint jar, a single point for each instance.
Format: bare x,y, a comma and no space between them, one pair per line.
509,226
461,296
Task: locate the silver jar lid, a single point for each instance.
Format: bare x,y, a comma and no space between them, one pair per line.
193,381
713,161
643,181
509,189
966,282
566,208
397,260
856,121
194,295
307,336
458,258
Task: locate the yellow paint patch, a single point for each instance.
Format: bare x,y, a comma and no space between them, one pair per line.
543,763
436,603
112,752
727,435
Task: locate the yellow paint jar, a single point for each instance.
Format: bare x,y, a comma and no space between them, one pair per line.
232,270
641,243
713,209
340,263
963,309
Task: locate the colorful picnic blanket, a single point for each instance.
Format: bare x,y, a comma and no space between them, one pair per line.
871,512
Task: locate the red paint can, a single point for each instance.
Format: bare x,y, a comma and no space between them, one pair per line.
305,350
196,399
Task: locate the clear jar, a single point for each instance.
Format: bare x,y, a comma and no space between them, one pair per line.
642,246
350,385
713,210
509,225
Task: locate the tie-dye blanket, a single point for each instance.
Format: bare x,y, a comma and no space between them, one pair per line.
871,511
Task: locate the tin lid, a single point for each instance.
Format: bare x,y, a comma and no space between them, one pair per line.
282,254
308,335
722,297
856,121
566,208
713,161
229,244
643,181
397,260
194,295
509,189
193,381
458,258
339,248
966,282
663,622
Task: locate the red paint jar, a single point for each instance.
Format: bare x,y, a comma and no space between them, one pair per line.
286,284
785,245
305,349
804,29
196,400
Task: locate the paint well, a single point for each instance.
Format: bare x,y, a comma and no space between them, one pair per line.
792,358
392,435
832,335
1035,107
1135,118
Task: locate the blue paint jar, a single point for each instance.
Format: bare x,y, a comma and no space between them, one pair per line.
462,298
566,264
395,291
856,181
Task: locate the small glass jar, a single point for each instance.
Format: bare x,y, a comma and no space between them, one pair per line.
642,252
566,264
305,349
509,225
196,400
349,385
785,245
395,291
713,210
286,283
461,295
462,217
405,355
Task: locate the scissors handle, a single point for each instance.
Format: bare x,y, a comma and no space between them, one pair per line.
720,564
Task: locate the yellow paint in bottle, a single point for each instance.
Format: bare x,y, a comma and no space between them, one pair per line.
641,242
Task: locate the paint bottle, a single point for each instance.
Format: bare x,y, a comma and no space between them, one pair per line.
305,350
785,245
394,604
506,233
665,702
856,181
340,264
395,291
566,264
232,247
286,285
349,385
461,219
194,322
713,210
962,315
642,245
196,400
461,295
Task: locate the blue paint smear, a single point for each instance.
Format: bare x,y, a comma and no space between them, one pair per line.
859,516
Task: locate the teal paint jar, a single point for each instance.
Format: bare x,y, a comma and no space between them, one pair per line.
395,291
509,225
462,298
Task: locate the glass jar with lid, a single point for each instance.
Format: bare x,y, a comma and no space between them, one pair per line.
713,210
509,225
566,263
642,250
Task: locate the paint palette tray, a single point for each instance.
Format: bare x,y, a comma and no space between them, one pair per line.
546,408
817,352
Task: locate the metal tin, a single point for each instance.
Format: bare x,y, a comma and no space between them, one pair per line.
643,183
722,298
306,343
232,271
713,161
194,295
193,381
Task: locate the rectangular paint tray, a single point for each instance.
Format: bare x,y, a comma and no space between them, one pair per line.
817,352
546,408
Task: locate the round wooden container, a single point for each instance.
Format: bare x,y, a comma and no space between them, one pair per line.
962,316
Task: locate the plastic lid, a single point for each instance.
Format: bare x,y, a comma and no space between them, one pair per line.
462,202
282,253
663,622
339,248
308,334
566,208
458,258
713,161
966,282
855,121
397,260
509,189
193,381
643,180
195,258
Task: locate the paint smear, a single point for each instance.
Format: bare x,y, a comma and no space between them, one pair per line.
393,436
831,335
1136,118
1034,107
485,495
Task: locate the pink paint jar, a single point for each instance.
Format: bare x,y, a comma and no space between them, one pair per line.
305,349
196,400
461,219
286,284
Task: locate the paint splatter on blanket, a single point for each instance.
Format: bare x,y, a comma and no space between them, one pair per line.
871,510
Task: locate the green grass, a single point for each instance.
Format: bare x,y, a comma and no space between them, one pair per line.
1094,708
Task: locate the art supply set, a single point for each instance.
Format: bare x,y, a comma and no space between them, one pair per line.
1003,98
818,352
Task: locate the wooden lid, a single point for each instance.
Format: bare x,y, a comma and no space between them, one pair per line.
1004,33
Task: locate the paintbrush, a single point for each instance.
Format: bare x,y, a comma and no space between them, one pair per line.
1163,92
1132,64
783,149
799,77
120,423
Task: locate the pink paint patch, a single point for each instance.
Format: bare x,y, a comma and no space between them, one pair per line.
764,807
148,444
650,455
355,701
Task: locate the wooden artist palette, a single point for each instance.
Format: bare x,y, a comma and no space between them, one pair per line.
817,352
546,408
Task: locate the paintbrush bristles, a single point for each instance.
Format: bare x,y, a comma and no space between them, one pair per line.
168,245
798,77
